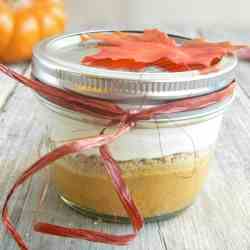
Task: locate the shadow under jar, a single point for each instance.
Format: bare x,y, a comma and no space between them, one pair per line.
164,161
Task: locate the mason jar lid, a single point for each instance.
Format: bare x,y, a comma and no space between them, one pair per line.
56,61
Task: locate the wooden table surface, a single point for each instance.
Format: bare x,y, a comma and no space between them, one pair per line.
220,218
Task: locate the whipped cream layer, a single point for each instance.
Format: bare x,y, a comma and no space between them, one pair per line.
138,143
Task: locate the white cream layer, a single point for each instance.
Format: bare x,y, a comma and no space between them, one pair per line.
139,142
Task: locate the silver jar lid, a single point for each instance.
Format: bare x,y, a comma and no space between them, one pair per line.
56,61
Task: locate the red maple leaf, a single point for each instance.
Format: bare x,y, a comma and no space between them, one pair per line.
120,50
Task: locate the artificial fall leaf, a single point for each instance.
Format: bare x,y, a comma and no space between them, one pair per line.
139,51
117,38
153,36
118,64
112,39
121,50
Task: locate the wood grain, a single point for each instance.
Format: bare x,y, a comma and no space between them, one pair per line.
7,86
219,219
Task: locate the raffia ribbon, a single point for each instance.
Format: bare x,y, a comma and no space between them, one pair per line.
125,120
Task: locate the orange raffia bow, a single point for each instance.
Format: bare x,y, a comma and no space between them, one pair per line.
125,120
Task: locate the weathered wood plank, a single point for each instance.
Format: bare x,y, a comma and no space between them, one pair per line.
7,86
16,139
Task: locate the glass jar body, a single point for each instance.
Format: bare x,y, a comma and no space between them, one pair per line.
164,164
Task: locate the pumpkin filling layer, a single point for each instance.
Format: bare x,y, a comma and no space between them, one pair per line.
158,186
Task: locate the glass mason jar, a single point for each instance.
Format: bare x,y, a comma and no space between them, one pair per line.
164,161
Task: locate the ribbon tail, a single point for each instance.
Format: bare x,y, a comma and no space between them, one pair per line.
74,147
125,197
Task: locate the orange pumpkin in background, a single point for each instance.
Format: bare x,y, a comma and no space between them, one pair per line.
24,23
